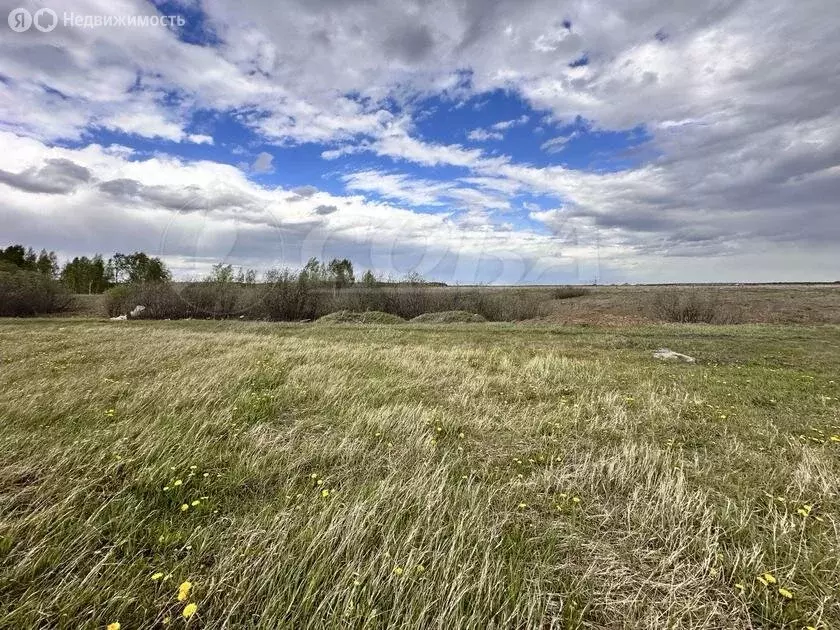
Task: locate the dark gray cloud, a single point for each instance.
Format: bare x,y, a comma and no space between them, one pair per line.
411,43
324,209
304,191
56,177
190,198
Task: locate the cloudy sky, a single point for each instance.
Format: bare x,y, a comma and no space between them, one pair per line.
468,140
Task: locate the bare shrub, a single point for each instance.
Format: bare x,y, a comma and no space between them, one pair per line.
291,296
691,307
26,293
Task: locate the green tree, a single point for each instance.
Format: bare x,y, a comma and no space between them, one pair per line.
221,273
246,276
313,271
47,264
25,258
368,279
138,267
15,255
86,275
340,273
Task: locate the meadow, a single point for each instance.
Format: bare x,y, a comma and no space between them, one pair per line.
490,475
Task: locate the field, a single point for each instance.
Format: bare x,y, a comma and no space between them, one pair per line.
418,476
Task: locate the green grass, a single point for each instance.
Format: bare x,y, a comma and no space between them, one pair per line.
452,457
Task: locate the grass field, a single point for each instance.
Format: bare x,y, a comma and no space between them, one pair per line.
418,476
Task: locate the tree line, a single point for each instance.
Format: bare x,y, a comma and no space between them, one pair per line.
88,275
97,274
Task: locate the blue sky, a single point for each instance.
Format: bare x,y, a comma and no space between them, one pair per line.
504,143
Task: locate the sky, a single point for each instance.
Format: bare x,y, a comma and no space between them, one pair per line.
470,141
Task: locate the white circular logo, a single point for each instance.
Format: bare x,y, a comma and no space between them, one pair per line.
20,20
45,20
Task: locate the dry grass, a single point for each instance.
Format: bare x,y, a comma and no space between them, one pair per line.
454,476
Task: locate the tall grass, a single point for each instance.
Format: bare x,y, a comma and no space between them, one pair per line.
489,477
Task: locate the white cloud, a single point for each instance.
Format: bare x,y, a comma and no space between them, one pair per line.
423,192
555,145
482,135
507,124
740,101
197,213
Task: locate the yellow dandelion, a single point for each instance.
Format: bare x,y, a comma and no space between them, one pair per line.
185,507
196,502
420,568
522,506
575,499
166,620
184,591
157,576
835,438
189,610
193,467
398,571
320,482
461,435
313,476
325,493
356,583
178,482
785,593
205,475
165,488
113,626
769,578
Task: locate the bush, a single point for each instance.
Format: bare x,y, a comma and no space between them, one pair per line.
564,293
26,293
689,307
449,317
293,296
159,298
365,317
